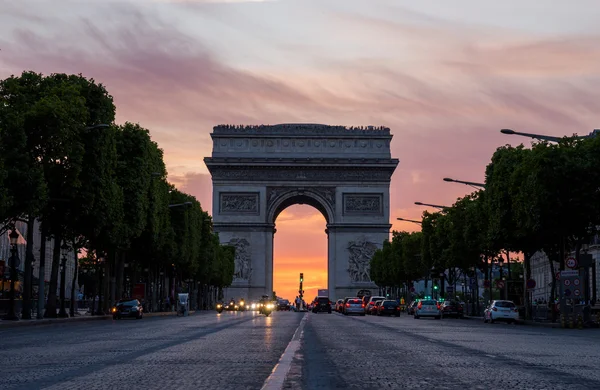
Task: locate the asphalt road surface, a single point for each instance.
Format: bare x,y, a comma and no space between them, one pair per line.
329,351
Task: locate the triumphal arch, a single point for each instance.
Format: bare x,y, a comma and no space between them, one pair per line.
259,171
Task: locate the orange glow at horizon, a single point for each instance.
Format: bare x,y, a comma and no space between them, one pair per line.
300,245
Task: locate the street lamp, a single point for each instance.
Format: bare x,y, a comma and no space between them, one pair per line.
469,183
100,263
550,138
14,264
184,204
409,220
431,205
62,313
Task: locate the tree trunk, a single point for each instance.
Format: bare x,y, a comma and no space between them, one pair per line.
42,276
28,280
73,298
119,271
51,307
553,289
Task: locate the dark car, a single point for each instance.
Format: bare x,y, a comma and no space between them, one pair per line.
388,308
283,305
322,304
452,309
128,308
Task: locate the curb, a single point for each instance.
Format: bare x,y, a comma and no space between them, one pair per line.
49,321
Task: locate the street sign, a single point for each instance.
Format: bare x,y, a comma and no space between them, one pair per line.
472,282
531,283
576,282
500,284
567,292
569,273
557,275
571,263
449,289
576,293
567,282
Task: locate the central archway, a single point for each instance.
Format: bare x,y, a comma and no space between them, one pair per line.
299,246
259,171
281,198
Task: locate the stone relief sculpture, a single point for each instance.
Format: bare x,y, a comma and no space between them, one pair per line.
243,259
239,202
363,203
284,174
359,261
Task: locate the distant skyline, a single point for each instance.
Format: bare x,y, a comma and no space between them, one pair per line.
444,76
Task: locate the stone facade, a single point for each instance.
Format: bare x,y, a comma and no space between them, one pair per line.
259,171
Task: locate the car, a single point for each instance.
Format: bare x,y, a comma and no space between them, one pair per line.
372,309
452,309
128,308
283,305
354,306
369,302
388,307
428,308
232,306
339,305
501,311
321,304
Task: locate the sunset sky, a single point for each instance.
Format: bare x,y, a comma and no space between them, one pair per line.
445,76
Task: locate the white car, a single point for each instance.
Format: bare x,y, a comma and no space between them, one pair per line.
428,308
501,311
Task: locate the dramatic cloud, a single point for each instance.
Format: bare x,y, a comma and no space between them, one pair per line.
444,81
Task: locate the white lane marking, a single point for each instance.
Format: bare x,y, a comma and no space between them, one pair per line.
277,378
492,356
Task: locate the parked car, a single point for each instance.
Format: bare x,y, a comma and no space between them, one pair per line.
501,311
388,308
452,309
428,308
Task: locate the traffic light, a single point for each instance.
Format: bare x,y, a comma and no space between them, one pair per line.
301,277
435,287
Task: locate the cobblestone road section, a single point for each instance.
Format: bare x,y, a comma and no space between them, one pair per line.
339,352
203,351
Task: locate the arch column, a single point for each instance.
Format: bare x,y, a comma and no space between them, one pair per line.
331,269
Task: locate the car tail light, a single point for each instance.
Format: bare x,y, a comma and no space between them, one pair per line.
363,305
347,305
494,309
438,306
420,305
398,308
516,310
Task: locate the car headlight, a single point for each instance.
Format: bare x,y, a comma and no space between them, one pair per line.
236,306
114,309
270,306
254,305
241,303
219,306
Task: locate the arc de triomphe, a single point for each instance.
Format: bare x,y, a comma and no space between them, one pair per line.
259,171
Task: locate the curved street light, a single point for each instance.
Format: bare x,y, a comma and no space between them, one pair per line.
409,220
431,205
469,183
185,204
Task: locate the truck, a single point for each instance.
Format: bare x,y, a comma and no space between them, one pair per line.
323,293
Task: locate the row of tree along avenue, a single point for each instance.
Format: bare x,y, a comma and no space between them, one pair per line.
100,190
545,198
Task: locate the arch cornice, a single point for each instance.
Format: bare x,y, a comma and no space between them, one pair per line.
280,198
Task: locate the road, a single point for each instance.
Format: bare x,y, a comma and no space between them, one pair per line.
240,351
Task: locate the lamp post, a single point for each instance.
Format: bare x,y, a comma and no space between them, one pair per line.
180,204
100,260
468,183
14,264
410,220
62,313
431,205
550,138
